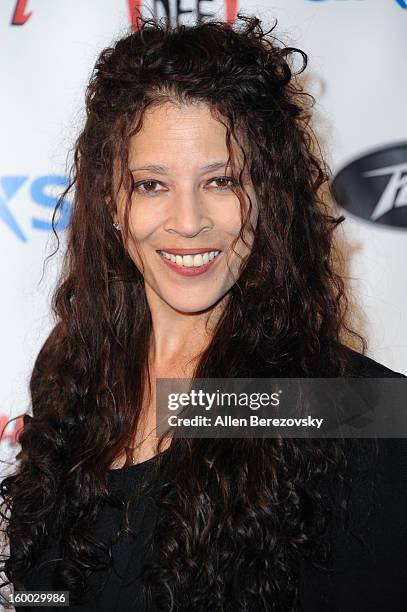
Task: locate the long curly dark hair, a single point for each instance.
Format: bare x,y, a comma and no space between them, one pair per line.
236,516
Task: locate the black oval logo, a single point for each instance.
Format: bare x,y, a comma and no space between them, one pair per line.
374,187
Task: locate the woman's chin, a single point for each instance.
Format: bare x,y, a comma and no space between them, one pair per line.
191,306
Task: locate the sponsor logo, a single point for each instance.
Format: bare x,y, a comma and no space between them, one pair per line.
43,191
374,187
174,11
12,433
402,3
20,14
177,10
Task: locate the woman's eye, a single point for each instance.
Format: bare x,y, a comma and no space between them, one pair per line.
148,187
224,182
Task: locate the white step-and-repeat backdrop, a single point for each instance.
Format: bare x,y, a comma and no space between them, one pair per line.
357,65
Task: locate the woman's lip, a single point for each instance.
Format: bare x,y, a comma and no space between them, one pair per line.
195,251
189,270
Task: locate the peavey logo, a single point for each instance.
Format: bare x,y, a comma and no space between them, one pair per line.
374,187
173,11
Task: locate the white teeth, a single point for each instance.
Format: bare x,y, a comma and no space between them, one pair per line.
190,261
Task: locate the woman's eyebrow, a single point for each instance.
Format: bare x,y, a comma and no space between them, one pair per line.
165,170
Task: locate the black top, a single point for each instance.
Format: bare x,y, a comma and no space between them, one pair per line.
369,560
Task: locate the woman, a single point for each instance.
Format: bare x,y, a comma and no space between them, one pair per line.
198,247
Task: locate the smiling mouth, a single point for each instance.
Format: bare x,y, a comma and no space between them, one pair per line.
190,260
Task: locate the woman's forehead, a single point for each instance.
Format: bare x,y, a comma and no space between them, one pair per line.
171,135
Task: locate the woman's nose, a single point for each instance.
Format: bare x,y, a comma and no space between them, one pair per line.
188,214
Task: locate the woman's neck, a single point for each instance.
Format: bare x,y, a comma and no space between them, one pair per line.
178,337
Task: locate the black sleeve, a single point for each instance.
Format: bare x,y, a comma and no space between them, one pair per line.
368,567
368,533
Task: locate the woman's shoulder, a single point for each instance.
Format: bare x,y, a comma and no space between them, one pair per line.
365,366
369,529
391,452
357,364
386,464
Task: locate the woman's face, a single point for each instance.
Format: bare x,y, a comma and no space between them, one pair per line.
183,208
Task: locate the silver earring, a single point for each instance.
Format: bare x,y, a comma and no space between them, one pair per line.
117,225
